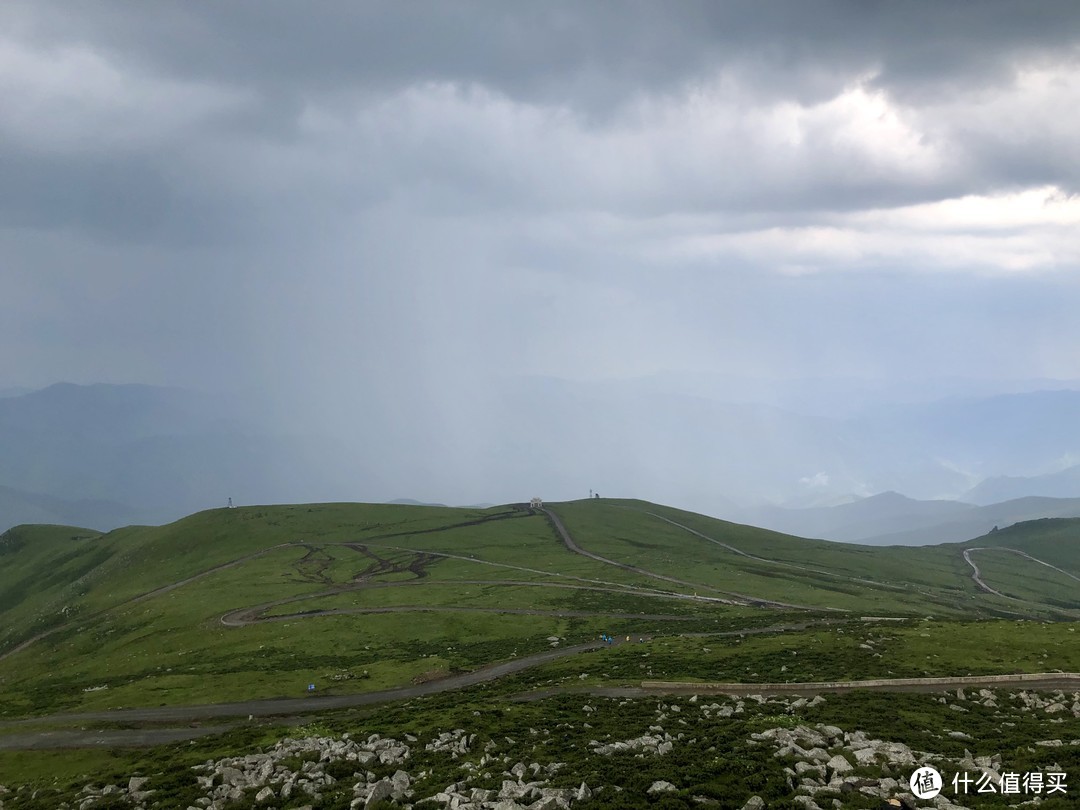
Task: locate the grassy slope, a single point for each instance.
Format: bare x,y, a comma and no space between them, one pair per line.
881,580
171,648
42,569
1054,540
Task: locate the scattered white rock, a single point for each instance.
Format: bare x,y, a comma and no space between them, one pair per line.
661,786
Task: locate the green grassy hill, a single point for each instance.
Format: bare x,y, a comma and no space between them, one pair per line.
259,602
1054,540
42,571
1037,560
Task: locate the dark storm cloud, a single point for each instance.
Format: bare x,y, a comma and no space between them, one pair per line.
362,209
558,116
595,53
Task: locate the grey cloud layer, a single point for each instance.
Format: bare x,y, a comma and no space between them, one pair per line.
636,109
564,50
353,206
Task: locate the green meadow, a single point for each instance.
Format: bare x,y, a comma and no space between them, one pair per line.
362,597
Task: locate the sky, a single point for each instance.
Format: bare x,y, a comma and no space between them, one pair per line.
328,202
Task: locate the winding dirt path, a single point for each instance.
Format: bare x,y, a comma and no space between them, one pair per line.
976,574
142,597
249,615
286,706
741,553
380,565
557,614
735,598
107,738
1045,681
643,590
252,615
277,707
13,739
873,583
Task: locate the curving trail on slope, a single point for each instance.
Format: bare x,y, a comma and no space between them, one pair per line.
249,615
977,575
642,590
269,707
1025,554
557,614
379,566
237,617
741,553
141,597
736,598
887,586
1040,680
285,707
242,617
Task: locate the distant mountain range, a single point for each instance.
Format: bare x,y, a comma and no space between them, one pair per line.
1063,484
103,456
712,455
28,507
131,452
893,519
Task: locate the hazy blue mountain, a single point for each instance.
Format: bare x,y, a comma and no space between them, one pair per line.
981,520
843,397
629,437
30,507
167,452
892,519
622,440
1063,484
161,453
886,513
709,450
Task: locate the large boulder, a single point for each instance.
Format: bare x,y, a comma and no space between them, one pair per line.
264,795
839,765
380,792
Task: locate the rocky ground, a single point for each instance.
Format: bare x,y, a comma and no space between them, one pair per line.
825,765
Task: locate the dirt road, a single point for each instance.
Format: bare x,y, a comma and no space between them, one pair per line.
977,575
734,598
279,706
